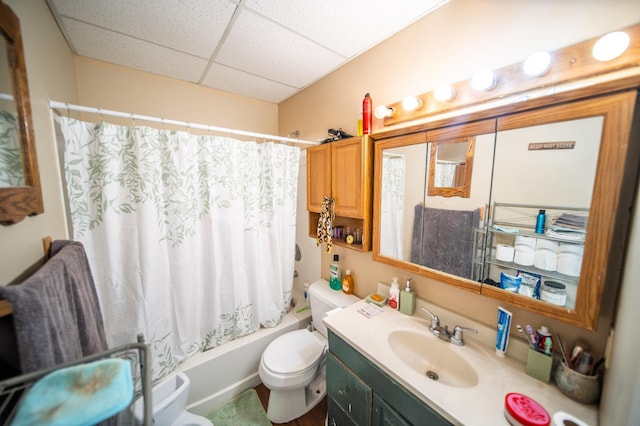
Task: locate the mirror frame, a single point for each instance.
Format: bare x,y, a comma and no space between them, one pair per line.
463,191
18,202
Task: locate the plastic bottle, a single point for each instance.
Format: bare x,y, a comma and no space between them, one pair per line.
545,341
540,222
335,275
367,115
408,299
394,294
347,282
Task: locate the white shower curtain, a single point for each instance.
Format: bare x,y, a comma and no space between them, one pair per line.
392,206
191,239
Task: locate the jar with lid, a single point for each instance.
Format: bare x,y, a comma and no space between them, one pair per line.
553,292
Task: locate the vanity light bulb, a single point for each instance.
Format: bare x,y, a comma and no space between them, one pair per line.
383,111
412,103
537,64
483,80
610,46
444,92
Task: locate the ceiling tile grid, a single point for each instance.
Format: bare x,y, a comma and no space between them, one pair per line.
265,49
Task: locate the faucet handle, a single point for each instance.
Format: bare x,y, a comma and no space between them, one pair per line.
457,339
435,321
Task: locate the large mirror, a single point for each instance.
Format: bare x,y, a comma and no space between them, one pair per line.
568,161
20,193
432,232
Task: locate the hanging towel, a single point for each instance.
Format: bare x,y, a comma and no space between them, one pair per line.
325,229
443,239
56,313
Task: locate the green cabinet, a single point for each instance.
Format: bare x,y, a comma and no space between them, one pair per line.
360,393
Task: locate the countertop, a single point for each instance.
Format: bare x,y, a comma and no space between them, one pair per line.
481,404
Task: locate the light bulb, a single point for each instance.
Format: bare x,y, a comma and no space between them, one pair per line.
483,80
383,111
444,92
537,64
610,46
412,103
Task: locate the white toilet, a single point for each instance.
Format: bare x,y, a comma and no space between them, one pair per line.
293,365
169,399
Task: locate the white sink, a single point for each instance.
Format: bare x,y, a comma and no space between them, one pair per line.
432,358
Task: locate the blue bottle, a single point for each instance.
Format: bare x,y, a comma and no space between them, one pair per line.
540,222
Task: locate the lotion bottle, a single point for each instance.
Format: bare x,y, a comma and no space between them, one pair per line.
347,282
408,299
394,294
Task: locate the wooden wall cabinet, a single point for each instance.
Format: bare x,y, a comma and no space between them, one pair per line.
342,170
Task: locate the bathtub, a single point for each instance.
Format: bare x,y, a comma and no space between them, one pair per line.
219,374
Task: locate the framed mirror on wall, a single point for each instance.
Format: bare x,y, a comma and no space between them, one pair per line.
451,167
572,161
20,192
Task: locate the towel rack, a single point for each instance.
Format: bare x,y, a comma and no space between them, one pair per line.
5,307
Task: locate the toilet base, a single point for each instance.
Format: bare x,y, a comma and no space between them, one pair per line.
287,405
190,419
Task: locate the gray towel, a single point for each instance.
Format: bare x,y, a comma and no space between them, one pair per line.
443,239
57,315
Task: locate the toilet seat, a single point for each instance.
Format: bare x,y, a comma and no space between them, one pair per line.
293,353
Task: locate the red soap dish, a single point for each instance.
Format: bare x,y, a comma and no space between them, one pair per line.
520,410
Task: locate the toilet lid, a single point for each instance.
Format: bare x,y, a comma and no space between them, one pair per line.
293,352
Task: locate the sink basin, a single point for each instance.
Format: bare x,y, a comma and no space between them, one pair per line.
432,358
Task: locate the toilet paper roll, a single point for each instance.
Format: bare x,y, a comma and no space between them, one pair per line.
524,257
565,419
569,264
522,240
543,244
504,253
546,260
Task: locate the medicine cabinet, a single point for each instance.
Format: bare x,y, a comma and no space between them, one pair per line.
342,171
571,156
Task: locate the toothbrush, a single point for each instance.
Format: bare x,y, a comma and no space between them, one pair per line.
532,336
521,331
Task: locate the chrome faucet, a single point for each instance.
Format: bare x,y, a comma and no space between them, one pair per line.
457,339
443,332
435,321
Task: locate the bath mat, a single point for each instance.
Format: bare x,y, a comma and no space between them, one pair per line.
245,409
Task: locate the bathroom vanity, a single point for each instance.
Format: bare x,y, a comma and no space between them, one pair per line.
389,369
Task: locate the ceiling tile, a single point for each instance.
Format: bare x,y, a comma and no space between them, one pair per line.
241,83
266,49
347,27
119,49
193,26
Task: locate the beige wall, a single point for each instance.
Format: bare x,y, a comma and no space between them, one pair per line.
449,45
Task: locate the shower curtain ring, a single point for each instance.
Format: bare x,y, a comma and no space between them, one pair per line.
101,116
133,119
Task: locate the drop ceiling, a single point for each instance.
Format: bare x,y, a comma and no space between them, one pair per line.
264,49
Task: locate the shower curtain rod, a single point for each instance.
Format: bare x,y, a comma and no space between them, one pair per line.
80,108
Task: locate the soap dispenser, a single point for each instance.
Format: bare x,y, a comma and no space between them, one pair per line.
408,299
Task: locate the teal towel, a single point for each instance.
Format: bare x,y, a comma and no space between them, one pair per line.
78,395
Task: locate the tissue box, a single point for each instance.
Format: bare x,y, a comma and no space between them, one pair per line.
539,365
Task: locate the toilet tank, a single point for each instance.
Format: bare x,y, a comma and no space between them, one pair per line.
323,299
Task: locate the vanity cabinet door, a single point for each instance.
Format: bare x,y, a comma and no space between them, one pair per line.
384,415
350,393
